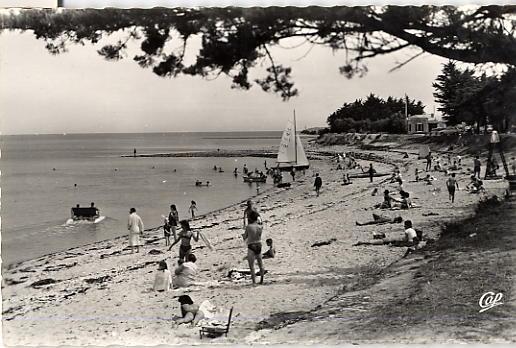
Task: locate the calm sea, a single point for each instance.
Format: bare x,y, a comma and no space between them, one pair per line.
36,199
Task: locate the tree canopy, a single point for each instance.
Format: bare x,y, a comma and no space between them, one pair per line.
482,99
374,114
235,40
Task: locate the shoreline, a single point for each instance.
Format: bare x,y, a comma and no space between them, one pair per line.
300,278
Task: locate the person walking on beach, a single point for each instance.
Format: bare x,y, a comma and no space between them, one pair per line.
193,208
185,237
317,183
253,236
371,172
429,162
173,219
135,227
476,167
451,183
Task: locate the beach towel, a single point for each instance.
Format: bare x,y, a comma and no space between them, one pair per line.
213,315
206,241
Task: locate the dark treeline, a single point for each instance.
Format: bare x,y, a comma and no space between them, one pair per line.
480,100
374,114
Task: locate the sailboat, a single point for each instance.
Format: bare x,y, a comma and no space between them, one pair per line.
291,154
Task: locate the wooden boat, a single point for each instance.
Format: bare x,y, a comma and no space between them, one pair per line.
291,154
253,178
86,213
366,175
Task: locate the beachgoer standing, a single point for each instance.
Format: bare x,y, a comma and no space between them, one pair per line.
293,174
317,183
476,167
134,153
193,208
173,219
245,170
451,183
185,236
253,235
371,172
429,162
135,227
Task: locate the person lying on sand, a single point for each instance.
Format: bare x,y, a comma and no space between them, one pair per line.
190,312
380,219
271,252
185,236
185,272
409,239
163,278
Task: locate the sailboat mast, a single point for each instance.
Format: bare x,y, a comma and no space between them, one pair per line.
295,135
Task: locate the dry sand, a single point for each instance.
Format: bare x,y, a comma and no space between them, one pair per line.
99,300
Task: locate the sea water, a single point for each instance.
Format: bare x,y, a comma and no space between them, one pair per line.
44,176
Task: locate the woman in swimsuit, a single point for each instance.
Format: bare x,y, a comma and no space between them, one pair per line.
253,235
185,236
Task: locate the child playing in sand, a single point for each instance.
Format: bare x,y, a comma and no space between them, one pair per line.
271,252
163,278
450,184
185,236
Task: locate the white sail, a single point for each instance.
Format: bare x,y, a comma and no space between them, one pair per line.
287,148
301,156
291,152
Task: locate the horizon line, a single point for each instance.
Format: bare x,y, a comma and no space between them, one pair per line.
173,132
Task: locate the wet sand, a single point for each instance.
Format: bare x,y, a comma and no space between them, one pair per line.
101,294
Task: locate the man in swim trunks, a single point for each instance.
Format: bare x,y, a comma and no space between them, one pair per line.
253,235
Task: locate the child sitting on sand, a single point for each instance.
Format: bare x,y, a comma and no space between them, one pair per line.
163,278
271,252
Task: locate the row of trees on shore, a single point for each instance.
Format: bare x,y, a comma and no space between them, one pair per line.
463,95
374,114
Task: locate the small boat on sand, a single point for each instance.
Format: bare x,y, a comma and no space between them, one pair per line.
366,175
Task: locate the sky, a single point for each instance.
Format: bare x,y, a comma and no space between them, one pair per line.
80,92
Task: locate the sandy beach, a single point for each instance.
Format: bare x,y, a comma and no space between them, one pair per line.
101,294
